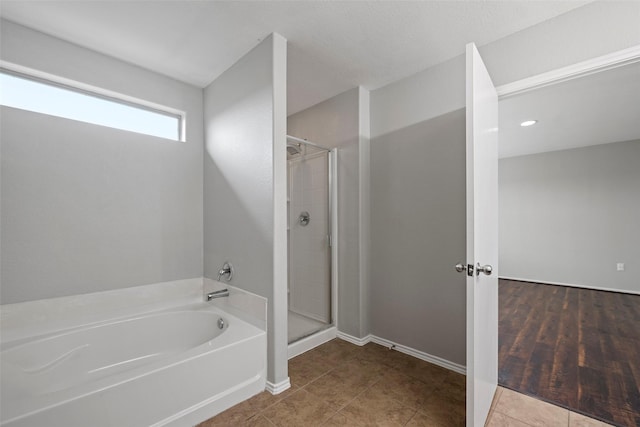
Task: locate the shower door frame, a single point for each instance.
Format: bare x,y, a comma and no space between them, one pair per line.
330,331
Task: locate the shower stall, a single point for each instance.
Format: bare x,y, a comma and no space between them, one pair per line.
311,231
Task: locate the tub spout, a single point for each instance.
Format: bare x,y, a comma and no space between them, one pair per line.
217,294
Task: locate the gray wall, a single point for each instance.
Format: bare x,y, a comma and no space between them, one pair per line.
569,216
242,121
418,231
418,211
400,114
334,123
87,208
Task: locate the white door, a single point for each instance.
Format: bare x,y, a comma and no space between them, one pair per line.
482,239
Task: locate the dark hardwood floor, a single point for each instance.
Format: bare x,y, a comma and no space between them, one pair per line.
577,348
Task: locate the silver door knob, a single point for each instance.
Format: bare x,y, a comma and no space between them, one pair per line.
486,269
460,267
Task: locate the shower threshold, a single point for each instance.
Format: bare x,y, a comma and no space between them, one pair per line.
306,333
301,326
314,340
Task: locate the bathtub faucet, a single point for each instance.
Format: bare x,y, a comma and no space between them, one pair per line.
217,294
226,270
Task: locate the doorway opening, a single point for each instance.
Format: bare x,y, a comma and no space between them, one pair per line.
569,332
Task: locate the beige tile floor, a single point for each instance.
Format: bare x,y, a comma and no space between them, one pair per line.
340,384
517,410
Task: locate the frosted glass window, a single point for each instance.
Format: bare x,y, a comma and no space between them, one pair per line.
61,101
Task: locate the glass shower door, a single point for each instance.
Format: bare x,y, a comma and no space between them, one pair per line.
309,245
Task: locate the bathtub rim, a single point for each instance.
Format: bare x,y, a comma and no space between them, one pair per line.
16,409
90,324
35,317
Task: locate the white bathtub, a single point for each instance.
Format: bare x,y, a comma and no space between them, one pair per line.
171,367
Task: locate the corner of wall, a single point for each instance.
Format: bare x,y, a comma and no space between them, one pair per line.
245,155
280,256
364,158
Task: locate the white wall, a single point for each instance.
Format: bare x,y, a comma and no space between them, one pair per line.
245,184
595,29
87,208
335,123
581,34
430,93
570,216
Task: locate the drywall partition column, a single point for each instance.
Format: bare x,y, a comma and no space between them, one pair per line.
364,160
244,185
88,208
418,222
279,381
575,212
334,123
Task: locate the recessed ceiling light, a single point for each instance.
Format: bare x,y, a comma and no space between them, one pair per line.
528,123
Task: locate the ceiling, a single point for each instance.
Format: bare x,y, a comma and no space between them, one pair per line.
333,45
596,109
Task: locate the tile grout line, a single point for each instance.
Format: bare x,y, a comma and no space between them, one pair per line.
416,414
497,395
569,411
266,418
375,367
358,395
381,376
354,398
261,411
303,388
387,367
513,418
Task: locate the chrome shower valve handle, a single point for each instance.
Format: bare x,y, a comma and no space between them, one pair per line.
226,272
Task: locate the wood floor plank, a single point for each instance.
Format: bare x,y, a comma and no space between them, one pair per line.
564,374
579,348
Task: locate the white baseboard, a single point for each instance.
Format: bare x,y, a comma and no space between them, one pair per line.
310,342
455,367
278,388
571,285
406,350
354,340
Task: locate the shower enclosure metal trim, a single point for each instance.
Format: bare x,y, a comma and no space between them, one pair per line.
304,141
332,230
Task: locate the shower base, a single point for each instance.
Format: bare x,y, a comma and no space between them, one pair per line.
302,326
